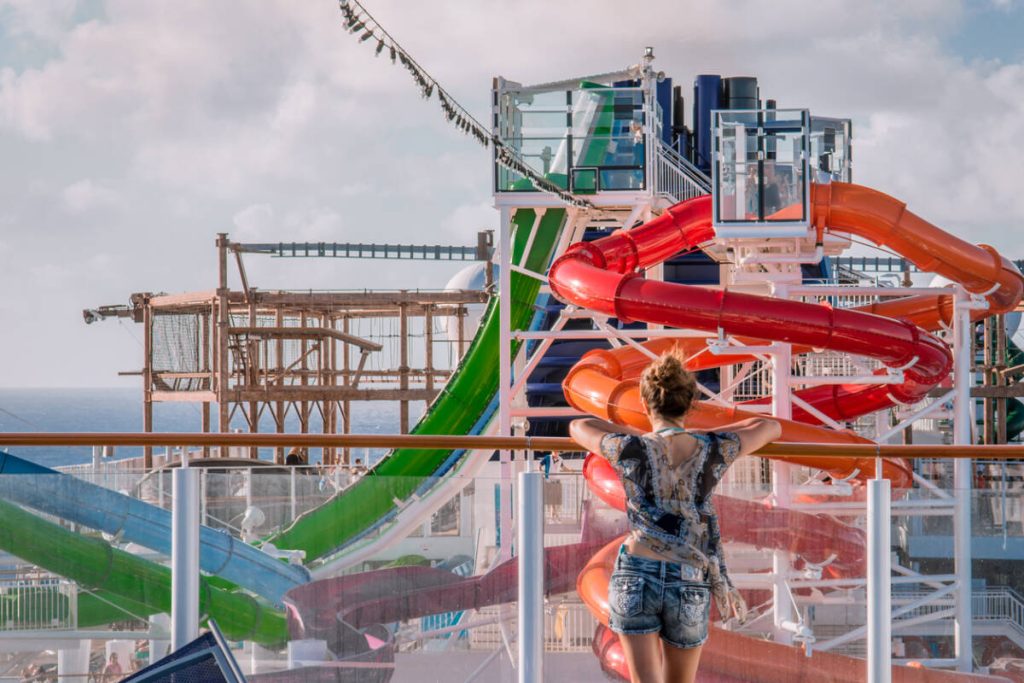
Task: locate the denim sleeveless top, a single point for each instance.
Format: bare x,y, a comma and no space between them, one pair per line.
669,508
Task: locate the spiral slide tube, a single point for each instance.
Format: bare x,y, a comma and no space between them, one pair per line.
602,276
134,521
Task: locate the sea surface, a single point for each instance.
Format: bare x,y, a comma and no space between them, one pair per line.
120,410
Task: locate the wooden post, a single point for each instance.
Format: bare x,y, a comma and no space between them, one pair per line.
223,323
1002,412
304,366
326,380
254,362
346,405
988,375
279,412
205,367
461,316
428,333
403,369
908,431
147,379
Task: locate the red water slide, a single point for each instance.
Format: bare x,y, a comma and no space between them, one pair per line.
604,276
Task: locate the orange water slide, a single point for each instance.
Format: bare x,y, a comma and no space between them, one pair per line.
603,276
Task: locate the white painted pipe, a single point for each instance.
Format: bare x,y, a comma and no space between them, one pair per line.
879,581
184,557
891,377
530,542
505,381
963,417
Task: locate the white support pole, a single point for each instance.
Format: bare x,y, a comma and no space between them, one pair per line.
185,556
782,407
530,544
159,648
505,379
73,662
292,503
962,418
879,579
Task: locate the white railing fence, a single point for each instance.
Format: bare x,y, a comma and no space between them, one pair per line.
675,177
34,603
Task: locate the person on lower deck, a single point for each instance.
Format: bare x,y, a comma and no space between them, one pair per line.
670,566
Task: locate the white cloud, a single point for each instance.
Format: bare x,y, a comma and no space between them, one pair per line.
267,121
37,20
462,225
87,195
254,223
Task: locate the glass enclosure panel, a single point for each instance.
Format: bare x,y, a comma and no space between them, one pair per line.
601,129
760,170
831,148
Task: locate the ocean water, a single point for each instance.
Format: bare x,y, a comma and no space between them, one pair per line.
120,410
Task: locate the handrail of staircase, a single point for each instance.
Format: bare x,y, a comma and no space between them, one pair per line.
693,174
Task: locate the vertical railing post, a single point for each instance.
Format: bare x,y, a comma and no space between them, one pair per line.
293,508
963,414
530,546
505,379
879,579
784,616
184,555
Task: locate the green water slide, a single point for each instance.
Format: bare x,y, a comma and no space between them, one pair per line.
121,583
456,410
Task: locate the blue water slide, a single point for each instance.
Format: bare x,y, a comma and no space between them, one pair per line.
134,521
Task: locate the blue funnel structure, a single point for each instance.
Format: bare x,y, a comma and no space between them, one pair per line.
132,520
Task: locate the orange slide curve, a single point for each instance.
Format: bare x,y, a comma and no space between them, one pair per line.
603,276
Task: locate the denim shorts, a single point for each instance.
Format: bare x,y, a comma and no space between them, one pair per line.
651,596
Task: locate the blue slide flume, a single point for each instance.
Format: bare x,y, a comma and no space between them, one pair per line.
147,525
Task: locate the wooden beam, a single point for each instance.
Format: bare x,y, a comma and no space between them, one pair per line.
306,333
366,299
186,299
315,393
184,396
1012,391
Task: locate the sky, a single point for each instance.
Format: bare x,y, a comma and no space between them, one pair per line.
132,133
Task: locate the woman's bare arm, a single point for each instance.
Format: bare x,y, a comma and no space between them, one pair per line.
754,432
589,431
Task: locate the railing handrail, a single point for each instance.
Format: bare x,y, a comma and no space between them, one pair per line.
694,174
448,442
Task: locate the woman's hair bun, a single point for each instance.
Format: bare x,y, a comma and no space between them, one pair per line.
667,387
